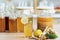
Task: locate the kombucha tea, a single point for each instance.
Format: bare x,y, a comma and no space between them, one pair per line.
44,22
12,25
2,24
28,28
20,26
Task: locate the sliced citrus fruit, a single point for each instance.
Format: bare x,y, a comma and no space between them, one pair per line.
37,33
24,20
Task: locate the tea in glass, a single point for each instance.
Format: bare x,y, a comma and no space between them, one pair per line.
28,28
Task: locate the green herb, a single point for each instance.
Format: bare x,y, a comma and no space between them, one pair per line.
51,36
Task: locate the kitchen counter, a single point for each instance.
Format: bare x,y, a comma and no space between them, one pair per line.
20,36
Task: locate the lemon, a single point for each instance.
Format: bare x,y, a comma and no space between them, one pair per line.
37,33
24,20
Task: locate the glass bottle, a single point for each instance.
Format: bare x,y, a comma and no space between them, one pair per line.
22,13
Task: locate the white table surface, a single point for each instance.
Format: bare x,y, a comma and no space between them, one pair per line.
19,36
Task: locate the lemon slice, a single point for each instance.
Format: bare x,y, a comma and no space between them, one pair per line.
24,20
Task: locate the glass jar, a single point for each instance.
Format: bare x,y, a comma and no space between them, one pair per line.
28,27
45,19
2,17
12,23
20,26
23,4
27,20
10,18
45,16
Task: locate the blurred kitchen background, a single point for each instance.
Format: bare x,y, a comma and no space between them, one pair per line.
17,4
56,3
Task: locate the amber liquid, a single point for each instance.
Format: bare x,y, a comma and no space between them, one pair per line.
20,26
28,28
44,22
12,25
2,24
7,23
